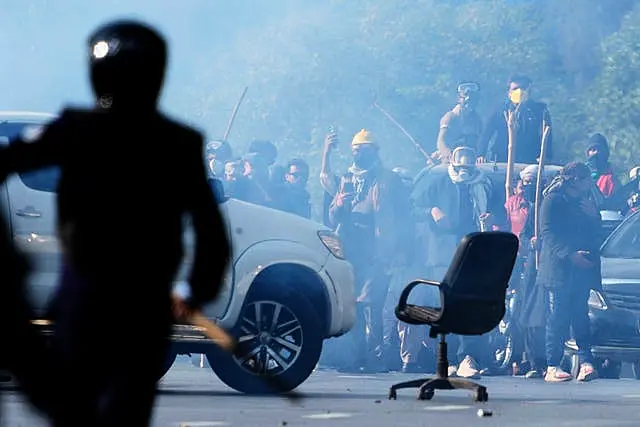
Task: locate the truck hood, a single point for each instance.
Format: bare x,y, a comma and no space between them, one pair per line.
249,224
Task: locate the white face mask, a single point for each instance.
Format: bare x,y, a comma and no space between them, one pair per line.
459,175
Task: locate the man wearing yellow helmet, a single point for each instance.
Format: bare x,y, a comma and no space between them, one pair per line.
371,211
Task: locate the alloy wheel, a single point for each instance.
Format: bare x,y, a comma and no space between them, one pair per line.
272,336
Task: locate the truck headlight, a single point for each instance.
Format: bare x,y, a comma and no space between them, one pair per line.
332,242
596,300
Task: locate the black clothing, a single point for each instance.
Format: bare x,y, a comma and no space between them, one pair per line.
122,233
298,201
565,229
529,134
25,354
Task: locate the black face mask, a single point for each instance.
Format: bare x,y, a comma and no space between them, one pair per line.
364,159
529,192
596,163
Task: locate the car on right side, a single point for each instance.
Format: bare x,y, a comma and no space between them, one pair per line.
614,311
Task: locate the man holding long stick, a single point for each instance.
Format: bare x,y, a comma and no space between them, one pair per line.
528,116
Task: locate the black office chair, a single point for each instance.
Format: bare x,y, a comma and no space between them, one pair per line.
472,296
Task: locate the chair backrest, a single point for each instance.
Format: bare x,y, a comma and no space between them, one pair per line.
474,288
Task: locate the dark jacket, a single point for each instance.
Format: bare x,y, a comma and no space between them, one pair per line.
565,229
529,135
126,217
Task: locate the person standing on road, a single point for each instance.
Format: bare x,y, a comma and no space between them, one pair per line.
121,233
569,267
371,211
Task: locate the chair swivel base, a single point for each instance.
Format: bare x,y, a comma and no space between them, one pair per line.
427,387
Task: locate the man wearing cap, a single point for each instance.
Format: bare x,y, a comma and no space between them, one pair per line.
462,125
371,211
455,204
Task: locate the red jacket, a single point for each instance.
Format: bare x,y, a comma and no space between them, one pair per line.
606,183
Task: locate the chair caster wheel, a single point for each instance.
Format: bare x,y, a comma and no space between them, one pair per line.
393,395
425,395
481,395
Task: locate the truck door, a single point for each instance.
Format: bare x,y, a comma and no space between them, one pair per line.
32,212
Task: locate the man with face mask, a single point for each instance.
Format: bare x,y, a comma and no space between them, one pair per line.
371,211
455,204
569,267
530,115
217,153
598,162
462,125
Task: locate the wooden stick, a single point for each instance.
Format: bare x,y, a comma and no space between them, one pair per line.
215,333
233,114
538,201
510,117
404,131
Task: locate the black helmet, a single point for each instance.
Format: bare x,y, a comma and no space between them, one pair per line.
128,61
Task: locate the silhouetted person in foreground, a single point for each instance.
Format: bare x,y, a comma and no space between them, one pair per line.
24,351
122,231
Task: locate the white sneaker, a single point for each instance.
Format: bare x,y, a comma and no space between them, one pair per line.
587,373
556,375
451,370
468,368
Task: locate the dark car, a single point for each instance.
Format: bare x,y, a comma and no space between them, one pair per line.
615,311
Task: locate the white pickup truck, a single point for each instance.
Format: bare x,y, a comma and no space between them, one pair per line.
287,289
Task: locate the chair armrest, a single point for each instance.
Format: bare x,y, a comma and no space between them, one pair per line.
402,303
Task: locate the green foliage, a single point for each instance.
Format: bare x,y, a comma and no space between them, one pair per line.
310,64
613,101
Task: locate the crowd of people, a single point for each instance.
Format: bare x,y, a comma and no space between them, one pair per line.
394,231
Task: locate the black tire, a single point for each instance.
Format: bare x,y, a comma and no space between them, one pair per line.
290,350
168,363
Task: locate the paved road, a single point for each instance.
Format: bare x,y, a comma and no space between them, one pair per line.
194,397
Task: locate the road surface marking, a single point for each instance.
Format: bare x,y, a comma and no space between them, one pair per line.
328,415
447,407
204,424
358,377
631,396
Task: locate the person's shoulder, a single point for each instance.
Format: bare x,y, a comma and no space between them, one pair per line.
448,117
539,105
182,130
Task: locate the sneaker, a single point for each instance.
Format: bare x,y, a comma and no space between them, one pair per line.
468,368
451,370
534,374
556,375
587,373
